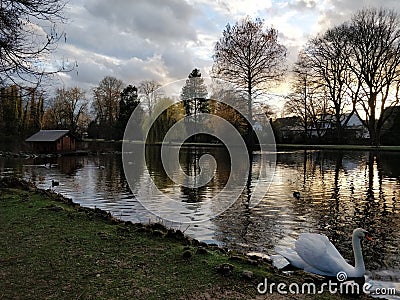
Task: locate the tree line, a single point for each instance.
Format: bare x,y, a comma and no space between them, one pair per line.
350,69
103,112
104,116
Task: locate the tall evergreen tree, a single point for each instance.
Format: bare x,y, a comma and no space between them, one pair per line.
127,104
194,95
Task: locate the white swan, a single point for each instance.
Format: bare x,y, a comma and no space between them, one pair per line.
314,253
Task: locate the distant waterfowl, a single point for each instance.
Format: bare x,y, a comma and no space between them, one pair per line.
314,253
54,183
296,195
48,165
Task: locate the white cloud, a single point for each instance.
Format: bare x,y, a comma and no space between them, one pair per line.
240,8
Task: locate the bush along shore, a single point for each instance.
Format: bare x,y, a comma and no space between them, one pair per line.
53,248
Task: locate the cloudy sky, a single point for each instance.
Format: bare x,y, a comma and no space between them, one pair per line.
164,40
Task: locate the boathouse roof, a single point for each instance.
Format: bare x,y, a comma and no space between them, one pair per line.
47,136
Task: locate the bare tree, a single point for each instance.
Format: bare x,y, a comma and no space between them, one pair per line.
148,89
106,101
327,57
23,46
374,58
250,57
67,110
76,107
308,98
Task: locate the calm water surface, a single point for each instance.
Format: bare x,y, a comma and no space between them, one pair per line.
339,192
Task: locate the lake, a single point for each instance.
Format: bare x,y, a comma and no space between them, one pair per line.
339,191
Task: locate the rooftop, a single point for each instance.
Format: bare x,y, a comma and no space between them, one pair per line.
47,136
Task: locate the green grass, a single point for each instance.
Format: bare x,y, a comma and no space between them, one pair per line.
53,249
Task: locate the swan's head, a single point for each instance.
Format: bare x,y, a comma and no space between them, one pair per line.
361,233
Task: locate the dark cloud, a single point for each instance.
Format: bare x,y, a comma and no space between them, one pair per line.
157,20
131,40
302,5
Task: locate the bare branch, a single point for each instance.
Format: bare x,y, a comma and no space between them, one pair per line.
24,44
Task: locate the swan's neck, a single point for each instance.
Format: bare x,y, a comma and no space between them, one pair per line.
358,257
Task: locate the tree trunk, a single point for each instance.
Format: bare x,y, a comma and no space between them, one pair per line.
374,139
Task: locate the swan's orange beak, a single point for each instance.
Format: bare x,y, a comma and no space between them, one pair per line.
369,238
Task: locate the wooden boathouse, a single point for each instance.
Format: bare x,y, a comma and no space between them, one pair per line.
53,141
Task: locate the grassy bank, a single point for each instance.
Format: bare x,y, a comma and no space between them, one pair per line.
51,248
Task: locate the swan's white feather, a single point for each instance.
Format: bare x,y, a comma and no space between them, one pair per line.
314,253
320,255
291,255
296,261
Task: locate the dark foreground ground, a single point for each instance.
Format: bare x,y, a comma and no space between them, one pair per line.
51,248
